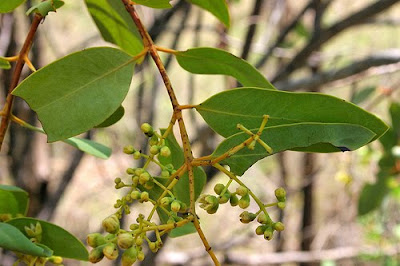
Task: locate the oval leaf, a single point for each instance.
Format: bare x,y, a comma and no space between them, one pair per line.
13,200
115,24
63,243
90,147
4,64
114,118
79,91
246,106
12,239
154,3
9,5
216,7
215,61
330,137
372,195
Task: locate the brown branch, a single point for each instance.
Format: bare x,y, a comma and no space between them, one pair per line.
16,76
252,29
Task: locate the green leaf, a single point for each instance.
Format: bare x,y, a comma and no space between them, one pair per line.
311,137
4,64
43,8
372,195
12,239
361,95
394,110
13,200
154,3
79,91
9,5
114,118
216,7
115,24
215,61
63,243
246,106
90,147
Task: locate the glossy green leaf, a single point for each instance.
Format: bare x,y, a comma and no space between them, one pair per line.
90,147
114,118
43,8
154,3
63,243
9,5
12,239
13,200
79,91
216,7
246,106
4,64
115,24
215,61
372,195
362,95
311,137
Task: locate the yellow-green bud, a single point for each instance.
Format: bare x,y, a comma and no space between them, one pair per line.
110,250
183,207
4,217
135,194
279,226
280,194
175,206
268,233
218,188
247,217
224,198
241,191
154,149
139,171
244,201
140,256
262,218
133,226
169,167
281,205
144,177
234,200
260,229
110,238
164,174
129,149
125,240
209,203
139,241
56,259
96,254
135,180
153,247
153,140
165,151
147,129
130,171
129,256
117,180
137,155
111,224
144,196
166,201
96,239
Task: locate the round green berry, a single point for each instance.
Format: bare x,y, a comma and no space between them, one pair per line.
241,191
165,151
280,194
218,188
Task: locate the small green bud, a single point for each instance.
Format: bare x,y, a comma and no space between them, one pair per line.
234,200
281,205
117,180
209,203
135,180
144,196
165,151
280,194
218,188
164,174
139,241
125,240
137,155
166,201
130,171
110,238
241,191
147,129
153,247
153,140
183,207
169,167
96,254
244,201
268,234
225,198
175,206
139,171
247,217
133,227
129,149
260,229
262,218
140,256
279,226
111,224
56,259
110,250
129,256
144,177
154,149
96,239
135,194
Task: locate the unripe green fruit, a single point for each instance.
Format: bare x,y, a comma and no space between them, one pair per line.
281,205
247,217
153,140
164,174
165,151
154,149
140,256
279,226
129,256
166,201
175,206
218,188
129,149
96,254
244,201
96,239
135,194
125,240
260,229
241,191
111,224
234,200
262,218
225,198
147,129
137,155
110,250
280,194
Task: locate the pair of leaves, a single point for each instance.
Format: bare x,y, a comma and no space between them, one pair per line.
309,122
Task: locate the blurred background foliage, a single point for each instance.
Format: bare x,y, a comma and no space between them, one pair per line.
342,209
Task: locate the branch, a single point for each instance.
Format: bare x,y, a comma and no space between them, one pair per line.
252,29
380,59
326,34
